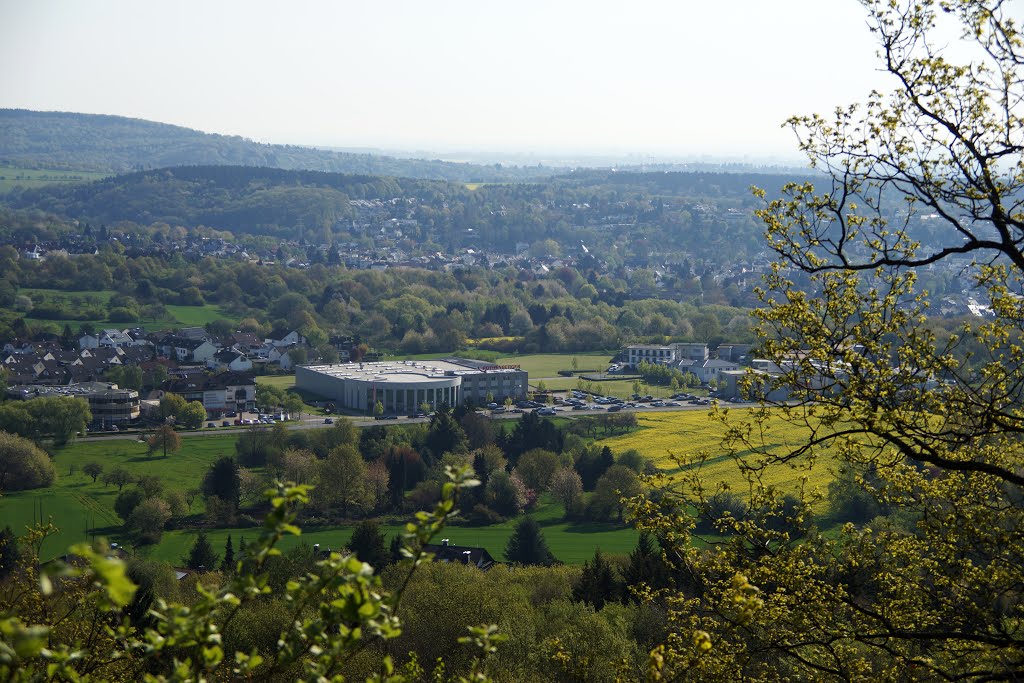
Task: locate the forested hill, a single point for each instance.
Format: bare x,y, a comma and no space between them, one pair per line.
242,199
117,144
706,215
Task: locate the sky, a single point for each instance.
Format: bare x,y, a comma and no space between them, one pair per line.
664,79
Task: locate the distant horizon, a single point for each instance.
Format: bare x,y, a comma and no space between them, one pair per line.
661,80
552,157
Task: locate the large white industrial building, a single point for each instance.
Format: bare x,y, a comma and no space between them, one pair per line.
403,386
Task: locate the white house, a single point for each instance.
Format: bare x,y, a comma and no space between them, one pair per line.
229,359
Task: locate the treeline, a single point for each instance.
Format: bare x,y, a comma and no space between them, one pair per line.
406,309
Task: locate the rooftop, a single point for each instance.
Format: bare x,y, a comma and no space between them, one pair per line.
409,370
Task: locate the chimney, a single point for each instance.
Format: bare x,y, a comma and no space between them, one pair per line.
316,548
465,556
444,542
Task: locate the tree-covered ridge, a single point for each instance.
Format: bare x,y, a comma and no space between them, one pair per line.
118,144
707,215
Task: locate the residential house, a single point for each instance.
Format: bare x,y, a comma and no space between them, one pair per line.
461,554
186,350
229,359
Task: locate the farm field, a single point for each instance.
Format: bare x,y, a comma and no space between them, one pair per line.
689,433
13,176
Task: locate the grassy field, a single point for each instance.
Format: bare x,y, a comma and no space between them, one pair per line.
688,433
548,364
75,502
183,316
280,381
13,176
571,543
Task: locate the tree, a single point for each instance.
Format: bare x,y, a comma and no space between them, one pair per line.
9,554
127,501
201,555
58,418
597,584
171,405
342,481
928,175
646,568
118,476
615,485
567,489
505,494
367,543
536,467
23,465
92,469
192,415
444,434
222,481
164,439
526,545
149,518
228,564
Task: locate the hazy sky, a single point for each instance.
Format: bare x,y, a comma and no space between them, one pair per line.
676,77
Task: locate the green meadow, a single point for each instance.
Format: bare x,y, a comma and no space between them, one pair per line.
180,316
77,505
14,176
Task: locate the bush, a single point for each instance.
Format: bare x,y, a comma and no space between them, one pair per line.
23,465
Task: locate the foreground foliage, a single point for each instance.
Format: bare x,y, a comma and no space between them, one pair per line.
932,589
57,626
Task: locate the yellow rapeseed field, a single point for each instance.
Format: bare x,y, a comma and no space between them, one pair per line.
691,433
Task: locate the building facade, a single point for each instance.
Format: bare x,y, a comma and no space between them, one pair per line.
404,386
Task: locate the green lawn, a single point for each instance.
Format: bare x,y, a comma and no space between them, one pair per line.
548,364
197,316
280,381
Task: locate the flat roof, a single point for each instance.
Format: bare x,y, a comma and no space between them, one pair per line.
408,370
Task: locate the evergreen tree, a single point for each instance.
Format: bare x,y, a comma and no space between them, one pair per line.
527,545
445,434
228,565
9,554
222,480
646,567
597,584
367,543
201,555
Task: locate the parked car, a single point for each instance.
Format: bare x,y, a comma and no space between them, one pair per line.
211,425
225,423
328,421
